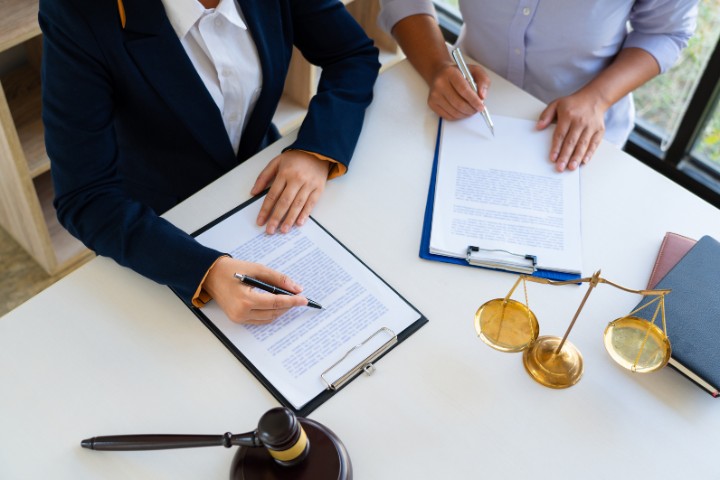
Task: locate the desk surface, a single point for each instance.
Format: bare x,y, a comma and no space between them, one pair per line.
105,351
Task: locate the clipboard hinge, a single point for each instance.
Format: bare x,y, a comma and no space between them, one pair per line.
501,259
365,365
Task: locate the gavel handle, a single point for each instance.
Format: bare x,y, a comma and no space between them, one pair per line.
163,442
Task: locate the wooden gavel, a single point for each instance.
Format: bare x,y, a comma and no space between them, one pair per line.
286,454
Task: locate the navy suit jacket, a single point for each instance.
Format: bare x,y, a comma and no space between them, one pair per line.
131,130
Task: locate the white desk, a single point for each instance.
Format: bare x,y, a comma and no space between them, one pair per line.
105,351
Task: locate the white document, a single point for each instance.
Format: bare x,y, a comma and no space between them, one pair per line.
294,350
502,194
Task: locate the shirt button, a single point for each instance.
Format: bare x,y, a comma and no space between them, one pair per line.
526,11
218,21
226,72
233,117
517,51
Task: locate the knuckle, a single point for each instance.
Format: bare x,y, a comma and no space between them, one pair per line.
298,202
238,315
272,196
282,202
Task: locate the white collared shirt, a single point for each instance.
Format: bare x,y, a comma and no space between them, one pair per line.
223,52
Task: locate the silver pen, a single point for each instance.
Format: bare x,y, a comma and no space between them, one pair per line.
460,61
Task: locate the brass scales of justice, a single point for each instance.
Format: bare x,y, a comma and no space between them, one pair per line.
634,343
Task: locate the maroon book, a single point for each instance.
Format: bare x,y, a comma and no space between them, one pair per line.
672,249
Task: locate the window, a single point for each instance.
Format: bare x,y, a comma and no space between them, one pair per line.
678,125
449,5
661,103
707,149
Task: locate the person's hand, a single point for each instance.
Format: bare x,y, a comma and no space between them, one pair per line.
580,128
452,97
243,304
298,179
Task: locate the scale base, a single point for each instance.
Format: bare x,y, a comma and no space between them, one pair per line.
327,459
554,370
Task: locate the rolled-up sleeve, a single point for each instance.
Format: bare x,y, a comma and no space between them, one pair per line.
662,28
392,11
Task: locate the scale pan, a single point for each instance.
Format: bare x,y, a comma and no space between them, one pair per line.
636,344
506,325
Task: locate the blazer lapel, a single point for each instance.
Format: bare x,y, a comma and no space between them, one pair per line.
158,53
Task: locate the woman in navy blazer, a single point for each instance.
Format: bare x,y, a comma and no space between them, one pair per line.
131,130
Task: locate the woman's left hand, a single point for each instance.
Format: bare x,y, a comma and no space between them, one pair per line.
579,131
296,180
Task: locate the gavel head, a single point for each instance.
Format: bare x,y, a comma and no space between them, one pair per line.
286,454
281,433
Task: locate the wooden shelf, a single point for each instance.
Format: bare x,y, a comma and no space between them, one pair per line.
18,22
22,89
26,195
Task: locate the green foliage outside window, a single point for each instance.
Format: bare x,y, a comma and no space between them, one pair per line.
661,102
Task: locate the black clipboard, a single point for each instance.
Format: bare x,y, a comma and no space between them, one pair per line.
394,338
427,228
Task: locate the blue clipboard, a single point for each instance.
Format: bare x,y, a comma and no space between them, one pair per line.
427,227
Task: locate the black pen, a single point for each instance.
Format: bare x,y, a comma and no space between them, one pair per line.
254,282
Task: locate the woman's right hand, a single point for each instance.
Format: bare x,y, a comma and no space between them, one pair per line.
244,304
452,97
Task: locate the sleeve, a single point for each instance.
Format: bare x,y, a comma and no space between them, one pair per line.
392,11
662,28
336,170
329,37
90,200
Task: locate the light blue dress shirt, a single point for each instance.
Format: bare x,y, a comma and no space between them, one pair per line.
552,48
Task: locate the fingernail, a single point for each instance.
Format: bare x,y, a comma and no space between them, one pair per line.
301,221
586,160
573,165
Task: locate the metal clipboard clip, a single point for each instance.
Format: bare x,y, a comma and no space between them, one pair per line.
365,364
501,259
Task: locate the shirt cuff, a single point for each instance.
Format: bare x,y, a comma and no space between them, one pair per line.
202,297
337,169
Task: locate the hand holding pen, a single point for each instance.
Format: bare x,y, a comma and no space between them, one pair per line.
243,304
460,61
